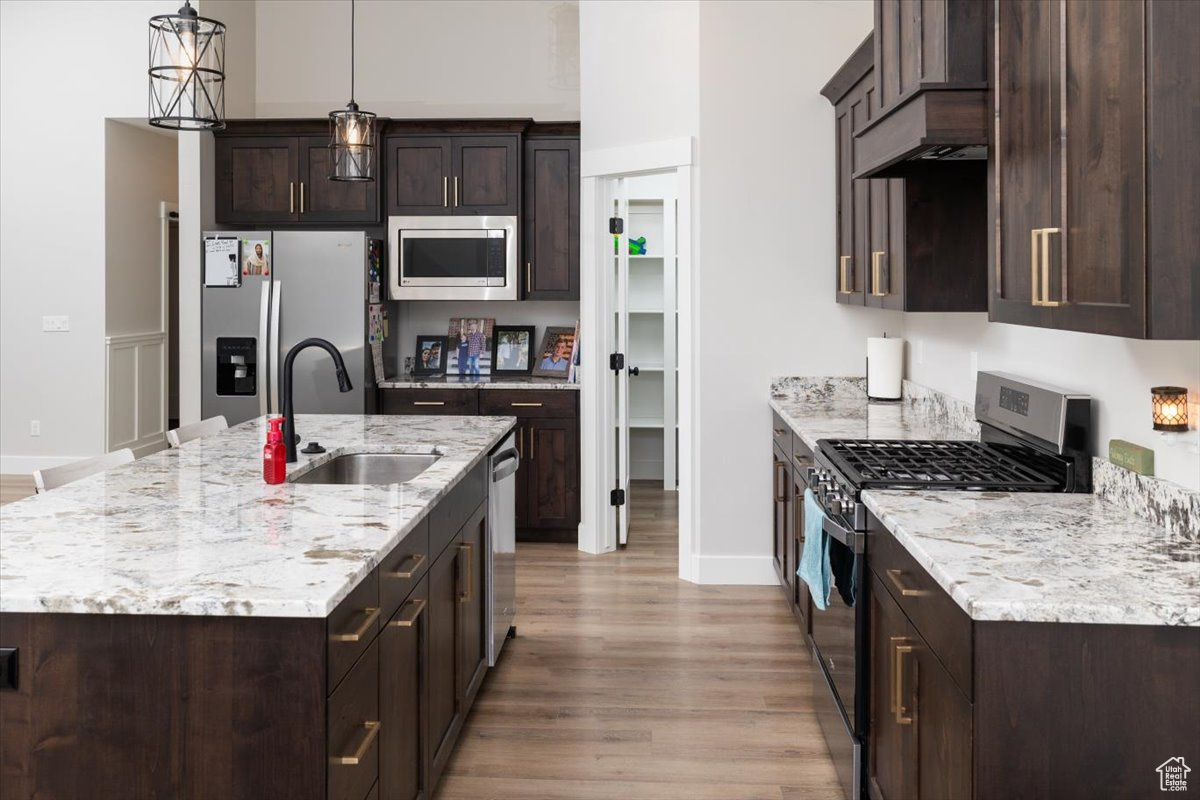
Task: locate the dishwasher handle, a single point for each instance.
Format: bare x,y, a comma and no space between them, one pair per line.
504,464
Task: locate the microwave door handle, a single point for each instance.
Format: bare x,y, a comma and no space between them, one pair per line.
855,540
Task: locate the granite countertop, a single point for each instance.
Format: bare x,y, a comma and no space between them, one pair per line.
849,415
1035,557
482,382
196,531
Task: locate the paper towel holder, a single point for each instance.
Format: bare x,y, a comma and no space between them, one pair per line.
885,383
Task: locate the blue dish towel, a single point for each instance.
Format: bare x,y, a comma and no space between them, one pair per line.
814,561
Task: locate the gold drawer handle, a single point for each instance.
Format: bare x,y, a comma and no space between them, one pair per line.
1039,277
876,264
779,431
899,649
844,275
372,614
526,405
780,490
417,605
469,594
413,561
429,402
353,760
894,577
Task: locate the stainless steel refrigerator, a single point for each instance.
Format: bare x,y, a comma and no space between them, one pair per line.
305,283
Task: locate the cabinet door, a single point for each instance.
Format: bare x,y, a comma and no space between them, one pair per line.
323,200
404,699
800,595
890,749
443,655
885,247
484,176
353,729
853,199
553,473
941,728
256,179
418,175
522,489
1097,265
1026,154
473,628
779,492
551,202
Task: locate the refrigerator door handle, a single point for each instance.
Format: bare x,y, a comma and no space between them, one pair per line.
277,360
264,366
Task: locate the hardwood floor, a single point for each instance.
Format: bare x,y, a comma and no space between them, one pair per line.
15,487
626,682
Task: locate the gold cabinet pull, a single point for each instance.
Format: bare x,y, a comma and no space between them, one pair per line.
528,280
429,402
1039,258
844,275
1033,266
779,431
370,615
526,405
779,493
301,197
456,191
900,648
894,577
469,550
410,565
445,192
877,259
291,197
416,606
1046,301
353,760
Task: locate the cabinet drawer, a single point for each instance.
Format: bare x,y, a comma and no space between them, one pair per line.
350,628
403,568
802,458
781,433
450,402
944,626
447,518
528,403
352,736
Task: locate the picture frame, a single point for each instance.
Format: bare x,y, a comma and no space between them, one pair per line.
470,342
424,364
513,350
553,359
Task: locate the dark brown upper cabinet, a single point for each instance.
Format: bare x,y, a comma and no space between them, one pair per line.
551,219
1096,182
270,172
469,175
909,244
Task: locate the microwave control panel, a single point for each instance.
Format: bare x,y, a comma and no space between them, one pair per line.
497,269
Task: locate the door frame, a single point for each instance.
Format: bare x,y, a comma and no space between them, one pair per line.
597,530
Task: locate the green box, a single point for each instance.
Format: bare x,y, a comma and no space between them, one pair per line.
1130,456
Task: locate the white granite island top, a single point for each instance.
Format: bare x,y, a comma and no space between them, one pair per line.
196,531
1044,557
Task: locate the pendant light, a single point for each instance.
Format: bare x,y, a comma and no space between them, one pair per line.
351,134
187,71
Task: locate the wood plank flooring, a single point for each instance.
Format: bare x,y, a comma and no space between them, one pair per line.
626,683
15,487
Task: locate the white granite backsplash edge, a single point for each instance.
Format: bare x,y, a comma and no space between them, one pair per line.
1164,503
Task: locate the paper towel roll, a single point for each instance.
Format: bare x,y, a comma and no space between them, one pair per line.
885,368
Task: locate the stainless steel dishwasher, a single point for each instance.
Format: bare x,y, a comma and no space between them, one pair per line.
502,552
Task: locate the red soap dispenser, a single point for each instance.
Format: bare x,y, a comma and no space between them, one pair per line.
274,454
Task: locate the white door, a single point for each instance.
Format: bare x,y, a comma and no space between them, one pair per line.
620,376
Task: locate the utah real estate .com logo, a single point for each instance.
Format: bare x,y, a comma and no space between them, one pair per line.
1172,775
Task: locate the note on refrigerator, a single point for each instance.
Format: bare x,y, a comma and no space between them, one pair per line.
221,262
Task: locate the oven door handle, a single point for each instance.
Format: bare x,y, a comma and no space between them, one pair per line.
855,540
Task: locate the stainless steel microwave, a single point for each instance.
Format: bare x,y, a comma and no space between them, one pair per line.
452,258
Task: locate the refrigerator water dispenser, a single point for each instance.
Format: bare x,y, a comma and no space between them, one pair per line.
236,365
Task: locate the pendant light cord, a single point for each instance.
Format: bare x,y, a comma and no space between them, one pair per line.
351,51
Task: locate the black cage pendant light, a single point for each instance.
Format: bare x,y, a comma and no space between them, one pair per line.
187,71
351,134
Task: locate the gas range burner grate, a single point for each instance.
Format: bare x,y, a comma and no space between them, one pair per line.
962,465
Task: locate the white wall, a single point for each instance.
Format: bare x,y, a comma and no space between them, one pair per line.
449,58
52,199
141,172
1118,373
767,246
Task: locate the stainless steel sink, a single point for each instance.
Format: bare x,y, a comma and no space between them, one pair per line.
370,468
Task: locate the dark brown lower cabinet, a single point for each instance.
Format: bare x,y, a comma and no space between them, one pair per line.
404,699
553,473
781,488
445,707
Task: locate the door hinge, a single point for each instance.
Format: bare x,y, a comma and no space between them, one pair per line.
616,497
616,225
616,362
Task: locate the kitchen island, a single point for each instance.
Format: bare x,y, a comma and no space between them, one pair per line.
183,629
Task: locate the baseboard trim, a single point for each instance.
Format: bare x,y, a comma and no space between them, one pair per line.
735,570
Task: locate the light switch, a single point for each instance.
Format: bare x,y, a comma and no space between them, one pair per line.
56,324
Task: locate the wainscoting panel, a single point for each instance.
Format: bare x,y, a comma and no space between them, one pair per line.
136,402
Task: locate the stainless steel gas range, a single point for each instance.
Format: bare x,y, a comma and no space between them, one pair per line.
1033,438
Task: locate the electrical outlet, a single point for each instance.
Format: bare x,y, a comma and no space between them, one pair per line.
35,427
974,363
919,350
56,324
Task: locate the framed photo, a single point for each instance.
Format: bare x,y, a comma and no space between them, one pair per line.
514,350
256,257
470,347
431,355
553,360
